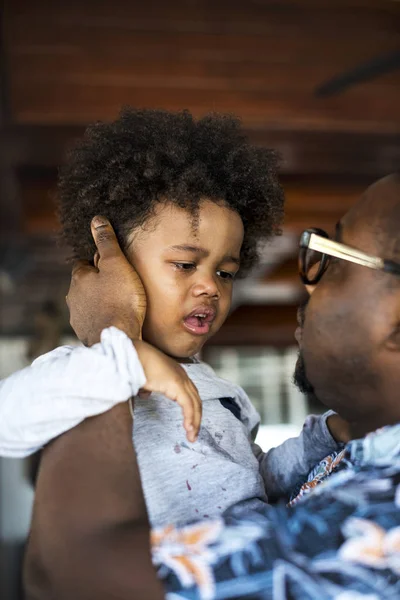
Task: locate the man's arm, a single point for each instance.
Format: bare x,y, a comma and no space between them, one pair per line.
90,532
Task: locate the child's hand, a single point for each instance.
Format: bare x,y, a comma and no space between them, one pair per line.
339,428
166,376
110,293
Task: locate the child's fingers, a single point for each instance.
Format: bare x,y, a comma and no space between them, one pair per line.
192,413
198,407
189,401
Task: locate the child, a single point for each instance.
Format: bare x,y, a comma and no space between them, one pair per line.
190,202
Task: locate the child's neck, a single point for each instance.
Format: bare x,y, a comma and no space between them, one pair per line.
187,360
182,360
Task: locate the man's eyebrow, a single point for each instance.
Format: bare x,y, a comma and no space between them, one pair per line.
203,252
338,232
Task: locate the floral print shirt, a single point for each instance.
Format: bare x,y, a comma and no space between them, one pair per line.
338,538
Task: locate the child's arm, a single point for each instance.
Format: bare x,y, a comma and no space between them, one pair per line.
66,386
62,388
284,466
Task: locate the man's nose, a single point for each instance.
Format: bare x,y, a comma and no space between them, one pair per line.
310,289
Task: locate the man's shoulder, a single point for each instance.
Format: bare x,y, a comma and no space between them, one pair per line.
372,454
342,537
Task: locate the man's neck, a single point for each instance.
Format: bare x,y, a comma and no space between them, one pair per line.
360,428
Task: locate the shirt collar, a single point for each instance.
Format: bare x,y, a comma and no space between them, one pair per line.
381,447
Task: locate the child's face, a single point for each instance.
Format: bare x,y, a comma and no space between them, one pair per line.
186,271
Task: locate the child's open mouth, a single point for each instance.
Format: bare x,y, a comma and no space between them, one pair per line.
199,320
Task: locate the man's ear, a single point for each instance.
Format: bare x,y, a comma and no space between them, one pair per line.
393,341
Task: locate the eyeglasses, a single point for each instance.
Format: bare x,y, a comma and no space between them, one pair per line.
316,250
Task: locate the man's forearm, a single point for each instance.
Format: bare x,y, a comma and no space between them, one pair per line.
90,532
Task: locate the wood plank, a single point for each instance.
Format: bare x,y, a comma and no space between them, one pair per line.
76,63
304,152
302,12
308,203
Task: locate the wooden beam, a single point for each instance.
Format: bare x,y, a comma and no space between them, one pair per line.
319,153
37,145
346,154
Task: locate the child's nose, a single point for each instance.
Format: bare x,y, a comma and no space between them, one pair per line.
206,285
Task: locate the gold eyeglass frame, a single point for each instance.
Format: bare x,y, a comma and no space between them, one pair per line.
319,241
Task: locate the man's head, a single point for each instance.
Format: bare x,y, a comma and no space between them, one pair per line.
163,180
350,327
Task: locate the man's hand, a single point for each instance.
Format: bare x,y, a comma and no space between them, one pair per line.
110,293
165,376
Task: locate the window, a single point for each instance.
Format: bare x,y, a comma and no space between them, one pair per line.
266,376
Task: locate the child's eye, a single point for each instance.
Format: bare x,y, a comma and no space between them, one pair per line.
226,275
181,266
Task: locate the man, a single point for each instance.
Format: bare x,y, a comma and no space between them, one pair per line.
90,534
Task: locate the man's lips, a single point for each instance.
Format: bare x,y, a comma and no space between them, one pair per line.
199,320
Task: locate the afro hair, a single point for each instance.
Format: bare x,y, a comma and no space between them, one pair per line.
123,168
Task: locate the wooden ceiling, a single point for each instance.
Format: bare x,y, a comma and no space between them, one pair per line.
68,63
75,61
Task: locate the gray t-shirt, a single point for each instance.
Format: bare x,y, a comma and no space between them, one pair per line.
184,481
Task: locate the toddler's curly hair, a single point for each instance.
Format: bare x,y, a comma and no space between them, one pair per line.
124,168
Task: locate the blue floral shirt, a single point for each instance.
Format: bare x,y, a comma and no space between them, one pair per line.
339,537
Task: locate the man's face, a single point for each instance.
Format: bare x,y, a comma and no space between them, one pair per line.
187,269
348,342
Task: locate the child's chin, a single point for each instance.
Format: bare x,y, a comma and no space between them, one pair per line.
183,352
182,347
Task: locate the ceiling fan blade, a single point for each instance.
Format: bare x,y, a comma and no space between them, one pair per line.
364,72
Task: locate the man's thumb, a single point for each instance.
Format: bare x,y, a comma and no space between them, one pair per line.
104,237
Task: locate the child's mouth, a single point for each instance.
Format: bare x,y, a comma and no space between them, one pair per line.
199,321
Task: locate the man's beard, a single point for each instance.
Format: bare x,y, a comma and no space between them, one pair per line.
300,378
